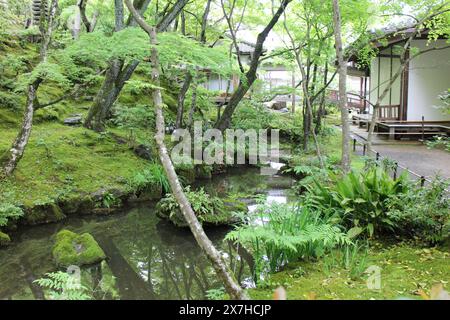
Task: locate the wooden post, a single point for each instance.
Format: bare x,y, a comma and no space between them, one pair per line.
293,93
423,129
354,145
364,149
395,170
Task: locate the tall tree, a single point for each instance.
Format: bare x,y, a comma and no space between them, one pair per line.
250,76
46,26
342,71
118,72
233,289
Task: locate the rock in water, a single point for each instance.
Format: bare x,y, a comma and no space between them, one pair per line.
4,239
144,152
74,249
74,120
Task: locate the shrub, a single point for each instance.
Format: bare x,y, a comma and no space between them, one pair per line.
422,212
252,115
351,257
9,212
209,209
358,199
439,142
277,234
153,175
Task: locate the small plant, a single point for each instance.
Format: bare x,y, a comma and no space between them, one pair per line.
422,212
63,286
8,212
215,294
358,199
154,174
109,200
439,142
46,145
277,234
351,257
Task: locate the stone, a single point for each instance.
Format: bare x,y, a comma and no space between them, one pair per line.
223,212
203,171
143,151
44,213
279,105
76,249
4,239
73,120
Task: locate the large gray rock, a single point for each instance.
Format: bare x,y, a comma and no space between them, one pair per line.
74,120
144,152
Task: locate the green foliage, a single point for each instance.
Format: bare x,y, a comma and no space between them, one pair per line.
351,257
439,142
278,234
109,200
202,203
445,98
8,212
422,212
132,119
252,115
215,294
153,174
63,286
358,199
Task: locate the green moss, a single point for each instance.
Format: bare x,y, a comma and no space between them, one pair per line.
186,174
203,172
73,249
43,214
62,161
4,239
404,269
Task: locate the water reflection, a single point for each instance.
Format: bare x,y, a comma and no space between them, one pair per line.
147,258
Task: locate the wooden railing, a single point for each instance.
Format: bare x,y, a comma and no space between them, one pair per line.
388,112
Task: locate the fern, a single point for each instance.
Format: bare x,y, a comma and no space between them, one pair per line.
280,233
63,286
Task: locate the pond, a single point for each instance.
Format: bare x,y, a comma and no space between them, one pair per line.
148,258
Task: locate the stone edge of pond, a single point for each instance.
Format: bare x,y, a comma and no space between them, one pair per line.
104,201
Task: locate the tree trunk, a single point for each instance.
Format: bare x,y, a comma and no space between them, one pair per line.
321,109
193,105
225,120
181,97
18,147
118,73
342,67
233,289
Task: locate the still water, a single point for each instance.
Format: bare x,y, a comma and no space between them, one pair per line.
148,258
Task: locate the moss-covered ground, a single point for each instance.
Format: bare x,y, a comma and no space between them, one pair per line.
406,269
60,160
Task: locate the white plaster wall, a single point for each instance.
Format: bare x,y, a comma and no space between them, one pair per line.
385,73
216,83
429,75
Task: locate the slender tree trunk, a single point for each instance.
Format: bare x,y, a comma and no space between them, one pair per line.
250,76
76,24
17,150
193,104
181,97
233,289
120,72
321,109
342,67
18,147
